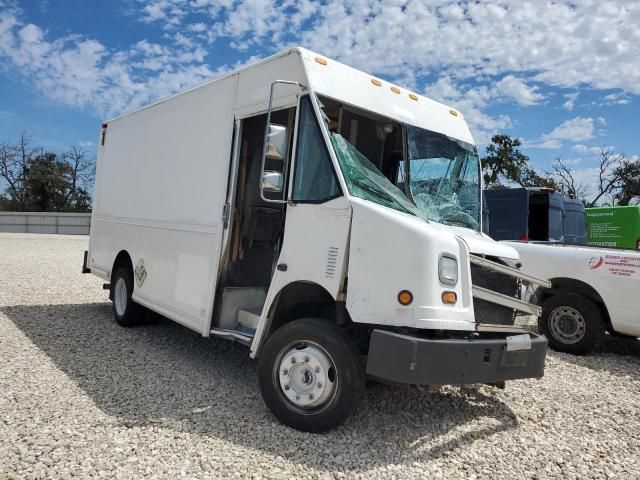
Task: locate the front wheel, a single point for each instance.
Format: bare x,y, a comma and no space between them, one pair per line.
311,375
572,323
125,311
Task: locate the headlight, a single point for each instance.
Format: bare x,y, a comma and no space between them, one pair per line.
448,269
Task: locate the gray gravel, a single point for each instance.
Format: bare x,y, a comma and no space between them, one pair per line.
80,396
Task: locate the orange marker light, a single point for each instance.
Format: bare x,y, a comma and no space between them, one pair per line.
453,112
321,61
413,96
449,297
395,89
376,82
405,297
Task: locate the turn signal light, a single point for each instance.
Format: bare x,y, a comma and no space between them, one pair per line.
405,297
449,297
321,60
376,82
395,89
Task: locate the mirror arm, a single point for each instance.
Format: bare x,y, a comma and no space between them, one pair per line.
265,146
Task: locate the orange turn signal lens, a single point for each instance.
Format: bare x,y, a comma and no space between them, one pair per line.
376,82
395,89
321,61
449,297
405,297
453,112
413,96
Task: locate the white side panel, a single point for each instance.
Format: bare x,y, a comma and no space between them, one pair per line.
160,190
391,251
614,274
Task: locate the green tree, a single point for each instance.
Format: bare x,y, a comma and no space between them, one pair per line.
43,181
505,162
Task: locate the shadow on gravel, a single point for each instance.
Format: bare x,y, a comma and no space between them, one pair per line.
618,356
164,375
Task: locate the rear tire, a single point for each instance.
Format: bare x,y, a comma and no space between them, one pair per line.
311,375
572,323
125,311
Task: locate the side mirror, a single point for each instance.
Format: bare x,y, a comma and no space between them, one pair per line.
276,142
272,181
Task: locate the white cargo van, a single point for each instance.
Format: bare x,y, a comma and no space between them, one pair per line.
347,245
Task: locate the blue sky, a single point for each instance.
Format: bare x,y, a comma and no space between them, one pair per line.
563,76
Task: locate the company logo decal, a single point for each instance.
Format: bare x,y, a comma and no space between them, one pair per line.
595,262
140,273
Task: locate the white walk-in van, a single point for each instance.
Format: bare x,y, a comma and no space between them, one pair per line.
347,245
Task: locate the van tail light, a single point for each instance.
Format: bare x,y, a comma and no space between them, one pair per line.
638,244
526,238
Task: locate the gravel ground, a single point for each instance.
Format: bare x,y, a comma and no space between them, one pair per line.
80,396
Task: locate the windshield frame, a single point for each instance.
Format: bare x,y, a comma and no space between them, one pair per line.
317,102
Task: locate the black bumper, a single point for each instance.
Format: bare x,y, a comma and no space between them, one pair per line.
420,361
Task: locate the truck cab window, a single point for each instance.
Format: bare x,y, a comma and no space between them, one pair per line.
314,179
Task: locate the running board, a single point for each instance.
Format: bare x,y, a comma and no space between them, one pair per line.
512,272
506,301
243,337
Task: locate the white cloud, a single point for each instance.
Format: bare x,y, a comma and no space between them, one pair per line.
570,103
574,130
593,150
519,91
489,51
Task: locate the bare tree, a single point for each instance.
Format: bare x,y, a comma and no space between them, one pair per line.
565,180
610,177
14,167
82,172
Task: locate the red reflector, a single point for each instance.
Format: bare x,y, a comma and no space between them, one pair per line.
525,238
638,244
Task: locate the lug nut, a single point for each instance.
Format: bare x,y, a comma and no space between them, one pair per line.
319,385
306,359
293,359
317,369
297,397
285,371
311,396
287,387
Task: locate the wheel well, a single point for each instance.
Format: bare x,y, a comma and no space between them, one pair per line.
122,260
572,285
303,300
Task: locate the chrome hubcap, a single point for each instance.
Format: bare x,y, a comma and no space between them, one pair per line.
306,374
120,296
567,325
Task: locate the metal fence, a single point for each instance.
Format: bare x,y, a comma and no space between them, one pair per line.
45,222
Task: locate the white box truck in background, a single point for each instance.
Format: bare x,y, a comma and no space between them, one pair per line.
347,245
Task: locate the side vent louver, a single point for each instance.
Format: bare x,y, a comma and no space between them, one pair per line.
332,261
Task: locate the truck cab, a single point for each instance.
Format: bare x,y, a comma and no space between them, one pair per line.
347,242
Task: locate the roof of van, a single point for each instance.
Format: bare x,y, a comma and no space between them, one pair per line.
351,86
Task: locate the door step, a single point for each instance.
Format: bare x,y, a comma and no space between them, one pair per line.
243,336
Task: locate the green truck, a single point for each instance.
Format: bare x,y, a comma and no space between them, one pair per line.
617,227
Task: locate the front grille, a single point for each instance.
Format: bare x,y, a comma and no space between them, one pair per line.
489,312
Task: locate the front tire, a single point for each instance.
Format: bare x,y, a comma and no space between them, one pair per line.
311,375
572,323
125,311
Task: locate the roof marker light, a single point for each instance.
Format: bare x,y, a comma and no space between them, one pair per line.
376,82
413,96
321,60
453,112
395,89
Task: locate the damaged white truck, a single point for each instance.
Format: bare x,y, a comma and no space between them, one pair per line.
325,218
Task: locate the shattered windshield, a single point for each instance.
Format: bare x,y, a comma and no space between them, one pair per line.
364,180
443,178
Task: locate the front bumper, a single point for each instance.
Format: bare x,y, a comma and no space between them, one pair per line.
419,361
